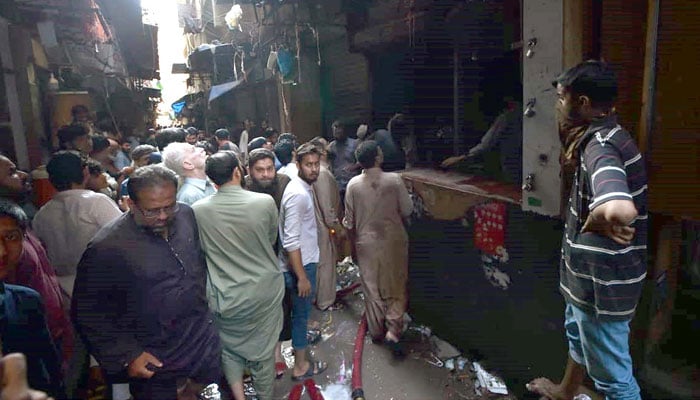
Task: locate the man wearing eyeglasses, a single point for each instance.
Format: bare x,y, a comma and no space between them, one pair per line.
140,297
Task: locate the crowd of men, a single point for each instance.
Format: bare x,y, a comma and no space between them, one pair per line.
203,256
197,261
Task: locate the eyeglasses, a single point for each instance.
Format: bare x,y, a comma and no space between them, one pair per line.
155,213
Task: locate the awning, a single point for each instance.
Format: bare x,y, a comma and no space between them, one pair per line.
218,90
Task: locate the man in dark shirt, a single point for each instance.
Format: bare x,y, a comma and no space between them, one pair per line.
140,299
389,140
505,137
341,154
603,263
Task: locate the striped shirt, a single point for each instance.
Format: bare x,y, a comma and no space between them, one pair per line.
596,273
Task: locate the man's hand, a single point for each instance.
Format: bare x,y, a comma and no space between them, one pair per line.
452,161
13,370
127,171
304,287
139,367
123,203
619,233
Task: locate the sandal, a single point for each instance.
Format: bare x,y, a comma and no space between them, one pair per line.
280,368
315,368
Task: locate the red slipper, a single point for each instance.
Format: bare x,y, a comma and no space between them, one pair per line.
280,367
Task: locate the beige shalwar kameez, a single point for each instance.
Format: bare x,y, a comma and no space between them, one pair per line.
327,207
376,204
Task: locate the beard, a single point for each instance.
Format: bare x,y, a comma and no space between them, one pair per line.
268,187
308,179
570,122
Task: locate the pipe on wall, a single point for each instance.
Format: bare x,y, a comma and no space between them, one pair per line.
649,104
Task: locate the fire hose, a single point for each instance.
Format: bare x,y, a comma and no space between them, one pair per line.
310,384
357,392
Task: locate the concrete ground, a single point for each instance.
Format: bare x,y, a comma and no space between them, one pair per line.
384,378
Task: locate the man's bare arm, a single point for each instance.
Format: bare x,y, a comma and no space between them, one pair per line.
613,219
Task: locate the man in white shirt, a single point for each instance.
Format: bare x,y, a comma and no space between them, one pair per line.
188,162
65,225
72,217
300,254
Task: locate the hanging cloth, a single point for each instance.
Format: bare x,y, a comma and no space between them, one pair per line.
489,227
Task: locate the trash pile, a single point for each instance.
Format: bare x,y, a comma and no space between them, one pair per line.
348,273
441,354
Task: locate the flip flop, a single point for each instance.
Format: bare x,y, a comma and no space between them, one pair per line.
280,368
315,368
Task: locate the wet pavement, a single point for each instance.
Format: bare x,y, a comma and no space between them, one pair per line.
384,378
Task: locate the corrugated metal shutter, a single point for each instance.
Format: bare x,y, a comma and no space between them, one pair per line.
675,141
623,41
345,80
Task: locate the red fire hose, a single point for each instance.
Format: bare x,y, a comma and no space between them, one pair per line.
297,390
357,392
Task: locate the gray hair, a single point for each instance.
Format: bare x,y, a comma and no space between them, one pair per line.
148,177
174,156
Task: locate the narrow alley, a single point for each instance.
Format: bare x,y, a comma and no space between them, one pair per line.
349,199
421,374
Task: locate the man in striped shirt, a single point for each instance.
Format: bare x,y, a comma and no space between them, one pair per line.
603,262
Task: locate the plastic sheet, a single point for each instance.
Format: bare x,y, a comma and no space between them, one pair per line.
489,382
336,391
288,354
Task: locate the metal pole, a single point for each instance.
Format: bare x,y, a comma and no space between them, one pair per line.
651,88
455,98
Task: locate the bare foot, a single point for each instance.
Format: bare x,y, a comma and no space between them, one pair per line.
548,389
300,370
391,337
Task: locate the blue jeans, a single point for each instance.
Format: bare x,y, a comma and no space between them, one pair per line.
603,348
301,306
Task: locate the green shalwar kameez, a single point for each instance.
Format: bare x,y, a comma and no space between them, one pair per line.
238,229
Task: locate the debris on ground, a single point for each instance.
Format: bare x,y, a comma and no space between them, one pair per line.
249,391
347,273
488,381
337,391
466,380
442,349
453,376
